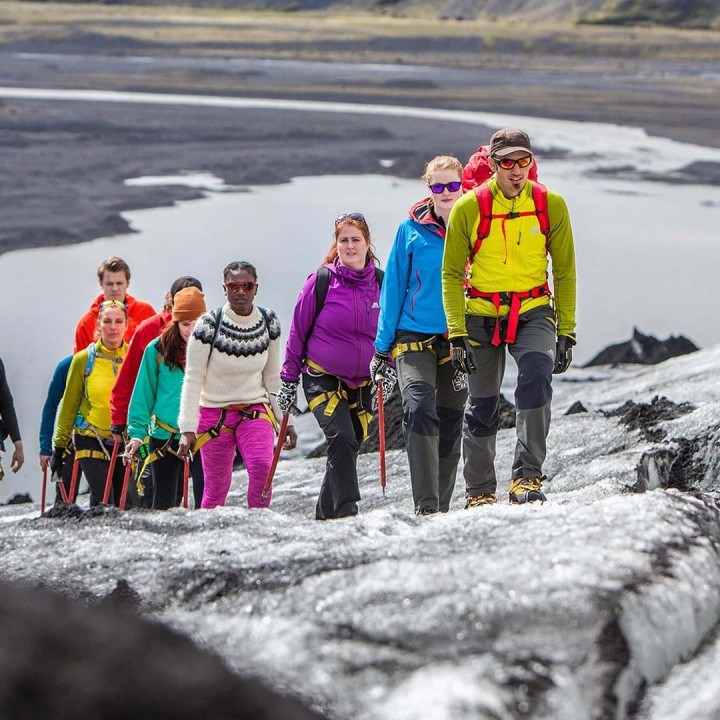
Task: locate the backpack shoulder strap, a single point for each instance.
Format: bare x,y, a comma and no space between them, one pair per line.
218,321
379,275
322,285
485,201
539,193
89,365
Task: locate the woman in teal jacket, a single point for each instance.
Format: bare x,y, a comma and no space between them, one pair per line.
155,401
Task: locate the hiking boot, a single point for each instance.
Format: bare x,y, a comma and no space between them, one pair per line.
426,511
526,490
472,501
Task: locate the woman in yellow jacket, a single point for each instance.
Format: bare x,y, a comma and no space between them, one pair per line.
85,407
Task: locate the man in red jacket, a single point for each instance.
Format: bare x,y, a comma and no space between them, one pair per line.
121,393
114,279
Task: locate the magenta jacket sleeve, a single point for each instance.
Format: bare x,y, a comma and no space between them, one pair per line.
300,326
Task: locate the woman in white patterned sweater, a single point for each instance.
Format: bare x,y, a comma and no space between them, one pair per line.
232,375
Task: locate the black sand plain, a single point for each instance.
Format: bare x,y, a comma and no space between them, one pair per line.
64,162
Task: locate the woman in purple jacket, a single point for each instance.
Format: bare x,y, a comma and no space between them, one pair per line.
332,351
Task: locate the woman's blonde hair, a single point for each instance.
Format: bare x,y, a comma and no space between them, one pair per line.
442,162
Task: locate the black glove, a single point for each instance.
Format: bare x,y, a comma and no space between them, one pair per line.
563,353
117,429
387,382
459,381
287,396
462,354
379,366
56,463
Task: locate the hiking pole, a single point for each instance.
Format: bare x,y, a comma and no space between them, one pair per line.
381,434
186,478
126,483
62,490
111,470
276,455
73,480
43,491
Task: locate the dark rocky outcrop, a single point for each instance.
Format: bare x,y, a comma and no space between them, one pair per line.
643,350
64,659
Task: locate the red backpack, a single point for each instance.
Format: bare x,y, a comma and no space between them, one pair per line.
477,170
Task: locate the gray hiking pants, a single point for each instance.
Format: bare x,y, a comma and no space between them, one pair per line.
432,421
534,353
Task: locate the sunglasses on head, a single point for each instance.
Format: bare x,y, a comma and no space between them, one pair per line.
359,217
508,164
437,188
247,286
112,303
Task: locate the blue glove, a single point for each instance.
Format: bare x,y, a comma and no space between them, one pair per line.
287,396
462,354
563,353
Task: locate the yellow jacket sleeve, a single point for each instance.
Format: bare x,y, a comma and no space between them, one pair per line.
562,251
71,400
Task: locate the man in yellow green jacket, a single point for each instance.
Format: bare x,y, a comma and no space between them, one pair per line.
496,294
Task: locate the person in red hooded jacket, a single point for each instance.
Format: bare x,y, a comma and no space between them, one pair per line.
114,279
122,390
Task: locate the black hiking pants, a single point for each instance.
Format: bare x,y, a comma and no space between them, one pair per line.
96,470
340,491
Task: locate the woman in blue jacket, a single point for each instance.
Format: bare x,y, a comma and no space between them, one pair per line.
413,326
332,349
155,401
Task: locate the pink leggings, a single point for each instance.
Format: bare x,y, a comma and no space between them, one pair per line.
254,438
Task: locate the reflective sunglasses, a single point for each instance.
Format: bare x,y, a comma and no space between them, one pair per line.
508,164
437,188
359,217
113,303
247,286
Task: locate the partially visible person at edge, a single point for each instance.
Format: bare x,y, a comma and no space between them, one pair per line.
47,427
114,279
155,401
508,304
413,325
85,407
146,331
231,378
9,424
332,352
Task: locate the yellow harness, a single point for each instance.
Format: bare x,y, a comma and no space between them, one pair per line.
265,414
333,397
418,346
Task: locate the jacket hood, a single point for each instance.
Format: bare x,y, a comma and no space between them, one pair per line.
421,213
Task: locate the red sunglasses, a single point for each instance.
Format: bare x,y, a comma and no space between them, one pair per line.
247,286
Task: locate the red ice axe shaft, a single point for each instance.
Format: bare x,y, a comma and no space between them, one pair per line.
186,478
276,455
126,483
111,470
381,434
43,491
73,480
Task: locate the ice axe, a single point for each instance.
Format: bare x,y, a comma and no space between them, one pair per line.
43,491
186,478
126,484
73,480
381,434
276,456
111,470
